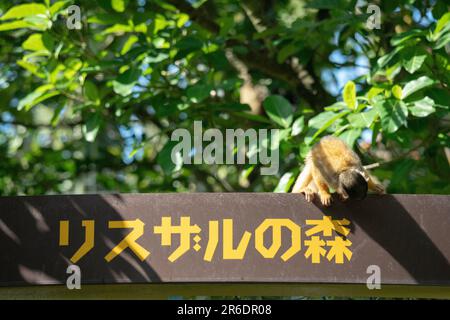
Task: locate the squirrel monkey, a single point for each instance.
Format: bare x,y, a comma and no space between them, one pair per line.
331,163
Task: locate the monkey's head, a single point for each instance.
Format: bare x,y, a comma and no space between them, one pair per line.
353,184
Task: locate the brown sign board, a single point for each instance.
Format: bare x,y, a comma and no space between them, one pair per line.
225,238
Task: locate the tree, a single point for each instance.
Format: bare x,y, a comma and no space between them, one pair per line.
93,109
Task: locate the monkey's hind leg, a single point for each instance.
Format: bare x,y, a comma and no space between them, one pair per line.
303,183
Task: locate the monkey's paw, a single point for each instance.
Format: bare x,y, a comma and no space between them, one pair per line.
325,199
309,194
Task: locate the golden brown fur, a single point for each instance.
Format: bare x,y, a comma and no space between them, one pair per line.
327,164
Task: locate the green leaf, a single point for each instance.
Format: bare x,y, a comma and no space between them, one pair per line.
405,36
442,41
375,131
322,122
164,158
298,126
413,58
42,98
285,183
91,92
349,95
38,95
119,5
126,81
34,43
337,106
422,108
393,114
128,44
317,121
279,110
187,45
58,6
350,136
91,127
373,92
160,57
416,85
57,115
198,92
384,60
159,23
32,68
182,19
48,41
166,109
362,119
397,92
39,22
284,134
248,169
19,24
392,71
118,29
442,22
24,10
304,150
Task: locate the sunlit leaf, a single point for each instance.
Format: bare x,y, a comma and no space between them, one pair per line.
34,43
58,6
349,95
441,24
423,107
24,10
19,24
128,44
298,126
416,85
397,92
119,5
38,95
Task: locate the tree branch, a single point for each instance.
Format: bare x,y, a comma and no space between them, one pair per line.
260,59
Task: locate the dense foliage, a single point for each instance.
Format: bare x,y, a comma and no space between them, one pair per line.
92,109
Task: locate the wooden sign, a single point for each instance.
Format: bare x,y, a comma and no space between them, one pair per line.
220,239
